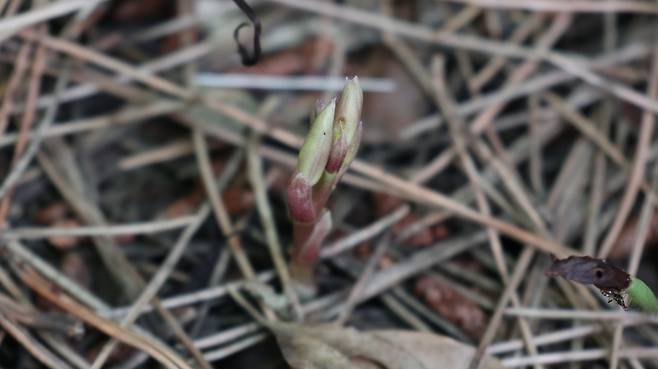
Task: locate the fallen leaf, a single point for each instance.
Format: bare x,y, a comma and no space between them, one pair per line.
589,270
332,347
610,280
437,351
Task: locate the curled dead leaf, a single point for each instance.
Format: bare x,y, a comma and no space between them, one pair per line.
589,270
610,280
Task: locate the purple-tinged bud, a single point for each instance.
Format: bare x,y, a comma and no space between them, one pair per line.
352,150
300,199
339,148
314,153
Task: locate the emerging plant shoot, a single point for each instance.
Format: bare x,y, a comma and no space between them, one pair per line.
327,152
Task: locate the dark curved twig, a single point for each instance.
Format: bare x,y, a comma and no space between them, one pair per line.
248,59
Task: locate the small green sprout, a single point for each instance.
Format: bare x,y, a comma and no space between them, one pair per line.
328,150
640,295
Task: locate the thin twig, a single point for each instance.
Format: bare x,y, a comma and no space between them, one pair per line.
288,83
569,314
108,230
130,115
492,67
584,355
363,234
20,66
31,344
11,25
27,120
535,162
577,6
206,294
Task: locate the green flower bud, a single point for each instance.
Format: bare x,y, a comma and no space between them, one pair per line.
314,153
348,109
352,150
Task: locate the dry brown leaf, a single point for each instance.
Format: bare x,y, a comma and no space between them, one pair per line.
436,351
332,347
